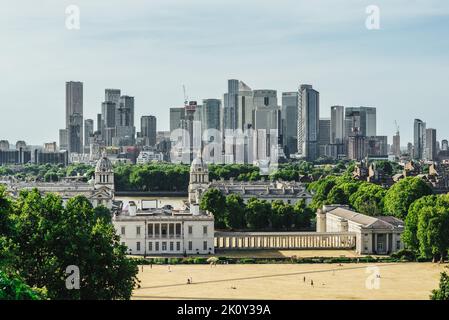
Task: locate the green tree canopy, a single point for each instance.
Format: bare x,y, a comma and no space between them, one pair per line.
403,193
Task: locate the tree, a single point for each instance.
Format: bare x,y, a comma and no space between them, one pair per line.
213,201
442,293
303,215
13,287
403,193
235,212
258,213
368,199
410,234
433,232
51,237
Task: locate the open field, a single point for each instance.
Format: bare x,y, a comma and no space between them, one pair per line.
286,281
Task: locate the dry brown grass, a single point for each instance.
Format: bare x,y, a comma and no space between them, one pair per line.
285,281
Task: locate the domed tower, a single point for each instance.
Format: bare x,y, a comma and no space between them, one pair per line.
104,173
199,179
103,193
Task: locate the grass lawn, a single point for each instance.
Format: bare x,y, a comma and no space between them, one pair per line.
286,281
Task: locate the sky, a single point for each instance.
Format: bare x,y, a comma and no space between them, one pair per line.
150,49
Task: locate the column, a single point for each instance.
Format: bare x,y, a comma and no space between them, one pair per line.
387,242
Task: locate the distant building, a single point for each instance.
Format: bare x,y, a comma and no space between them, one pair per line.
74,116
396,148
363,118
148,130
149,156
308,122
430,151
324,137
444,145
289,115
88,133
419,139
50,147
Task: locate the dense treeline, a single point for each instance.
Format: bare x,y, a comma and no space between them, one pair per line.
232,213
47,172
40,238
168,176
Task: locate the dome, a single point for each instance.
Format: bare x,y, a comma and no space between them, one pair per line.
198,165
104,164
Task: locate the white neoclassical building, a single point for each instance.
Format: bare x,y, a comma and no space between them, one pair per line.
374,235
286,191
159,231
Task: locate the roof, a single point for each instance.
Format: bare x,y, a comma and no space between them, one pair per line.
368,222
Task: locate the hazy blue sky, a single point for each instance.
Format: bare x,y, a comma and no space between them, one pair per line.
149,49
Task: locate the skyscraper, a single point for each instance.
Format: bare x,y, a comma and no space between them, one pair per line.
444,145
337,125
108,113
176,117
74,116
289,120
419,134
125,131
308,122
88,133
430,153
324,137
211,113
363,118
113,96
148,129
396,148
230,105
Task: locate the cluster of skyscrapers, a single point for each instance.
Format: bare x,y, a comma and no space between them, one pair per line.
244,126
425,145
115,123
294,126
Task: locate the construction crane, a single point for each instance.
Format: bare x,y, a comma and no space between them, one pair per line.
186,98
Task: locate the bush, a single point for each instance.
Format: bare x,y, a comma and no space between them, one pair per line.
404,255
246,261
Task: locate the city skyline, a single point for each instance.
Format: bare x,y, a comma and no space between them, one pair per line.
325,44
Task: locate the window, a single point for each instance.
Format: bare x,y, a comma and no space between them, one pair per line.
171,230
178,230
205,230
190,245
157,228
164,229
204,245
150,246
398,245
171,245
138,230
123,244
190,229
178,246
138,246
164,246
150,229
157,246
123,231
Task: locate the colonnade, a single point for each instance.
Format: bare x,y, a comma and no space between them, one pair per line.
284,240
